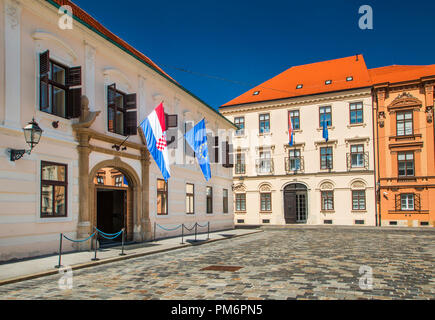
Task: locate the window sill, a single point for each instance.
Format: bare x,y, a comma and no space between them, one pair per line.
329,128
265,134
240,212
265,212
295,131
327,211
359,211
356,125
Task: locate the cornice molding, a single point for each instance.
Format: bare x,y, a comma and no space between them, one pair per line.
45,35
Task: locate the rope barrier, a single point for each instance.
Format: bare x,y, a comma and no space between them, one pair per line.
173,229
193,227
78,240
109,234
202,226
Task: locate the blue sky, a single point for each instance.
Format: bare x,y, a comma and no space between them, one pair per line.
249,42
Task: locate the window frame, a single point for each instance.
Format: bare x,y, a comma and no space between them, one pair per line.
291,117
327,154
328,197
240,164
294,159
325,113
50,82
357,153
268,196
359,103
264,121
407,201
54,184
166,194
225,208
240,199
405,153
190,196
404,121
358,198
237,122
115,110
209,200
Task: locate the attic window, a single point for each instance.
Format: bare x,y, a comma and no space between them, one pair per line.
299,86
327,82
349,78
256,93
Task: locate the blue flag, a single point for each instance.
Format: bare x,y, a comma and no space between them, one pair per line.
325,131
197,139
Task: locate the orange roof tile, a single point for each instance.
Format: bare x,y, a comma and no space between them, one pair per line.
395,73
93,23
312,77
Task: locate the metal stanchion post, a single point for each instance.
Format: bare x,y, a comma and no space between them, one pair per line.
155,227
123,240
60,252
182,233
196,229
96,238
208,231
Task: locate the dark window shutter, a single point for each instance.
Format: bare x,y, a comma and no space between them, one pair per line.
230,155
44,63
172,134
171,120
74,77
111,94
216,149
130,101
74,103
417,202
210,143
130,123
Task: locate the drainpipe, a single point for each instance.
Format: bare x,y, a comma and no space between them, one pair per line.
376,164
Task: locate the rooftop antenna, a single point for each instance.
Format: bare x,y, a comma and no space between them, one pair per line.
357,57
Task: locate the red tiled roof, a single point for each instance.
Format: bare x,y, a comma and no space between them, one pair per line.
312,77
395,73
92,22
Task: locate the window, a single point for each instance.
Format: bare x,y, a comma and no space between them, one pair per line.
57,95
190,198
327,221
209,194
54,184
404,123
256,93
358,200
299,86
265,221
357,156
122,114
360,222
265,162
356,113
328,82
295,160
407,202
240,123
326,158
162,197
294,117
240,163
325,115
266,202
241,202
100,179
327,200
406,164
225,201
240,221
264,123
119,180
349,79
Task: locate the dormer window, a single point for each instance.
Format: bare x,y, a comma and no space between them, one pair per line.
256,93
328,82
299,86
349,78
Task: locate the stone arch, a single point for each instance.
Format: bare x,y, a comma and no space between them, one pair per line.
289,183
240,188
135,230
265,187
358,184
326,185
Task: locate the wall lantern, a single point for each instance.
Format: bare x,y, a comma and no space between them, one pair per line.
32,134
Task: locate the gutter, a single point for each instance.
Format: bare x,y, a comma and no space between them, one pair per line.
145,63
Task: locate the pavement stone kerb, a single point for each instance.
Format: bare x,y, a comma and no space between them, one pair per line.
116,259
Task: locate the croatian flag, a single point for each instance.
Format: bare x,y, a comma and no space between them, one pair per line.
291,131
154,129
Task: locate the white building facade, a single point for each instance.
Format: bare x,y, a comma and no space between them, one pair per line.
88,91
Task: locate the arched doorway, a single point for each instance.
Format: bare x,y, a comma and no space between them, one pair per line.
116,199
295,203
113,193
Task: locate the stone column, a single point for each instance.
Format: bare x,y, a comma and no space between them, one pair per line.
84,226
145,216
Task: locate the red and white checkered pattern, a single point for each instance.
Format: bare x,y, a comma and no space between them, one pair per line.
162,144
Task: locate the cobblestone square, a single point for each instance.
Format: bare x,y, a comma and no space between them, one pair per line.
292,263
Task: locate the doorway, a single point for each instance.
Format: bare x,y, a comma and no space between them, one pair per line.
295,204
111,212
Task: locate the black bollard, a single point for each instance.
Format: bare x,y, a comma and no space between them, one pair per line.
60,252
196,229
208,231
155,227
182,233
123,239
96,238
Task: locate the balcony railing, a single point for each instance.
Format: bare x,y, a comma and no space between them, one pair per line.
264,166
293,165
358,160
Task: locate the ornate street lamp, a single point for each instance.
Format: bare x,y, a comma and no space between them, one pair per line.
32,134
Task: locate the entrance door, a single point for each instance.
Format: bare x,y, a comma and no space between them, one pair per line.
295,204
111,208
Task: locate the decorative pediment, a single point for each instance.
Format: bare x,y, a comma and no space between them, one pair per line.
265,188
326,186
240,188
358,185
403,100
